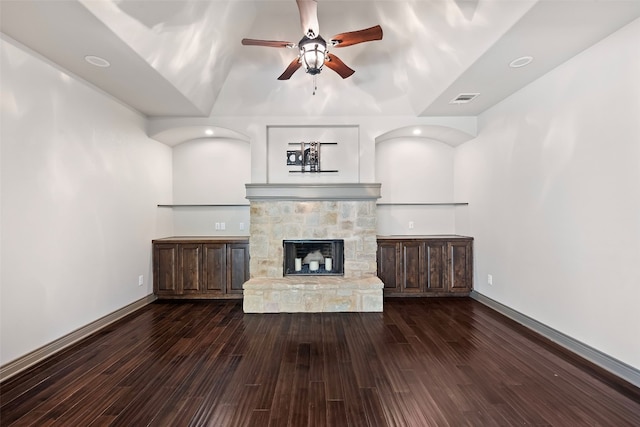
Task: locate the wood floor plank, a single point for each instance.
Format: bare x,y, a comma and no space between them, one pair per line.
361,351
373,408
316,342
336,414
300,393
422,401
282,394
354,404
258,418
270,355
423,362
214,389
331,357
317,412
206,383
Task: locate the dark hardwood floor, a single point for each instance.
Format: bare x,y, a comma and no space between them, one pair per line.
423,362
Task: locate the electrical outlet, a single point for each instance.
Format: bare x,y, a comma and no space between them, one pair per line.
241,226
217,226
411,225
140,280
489,279
223,226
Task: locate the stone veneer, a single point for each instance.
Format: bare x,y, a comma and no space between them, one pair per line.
274,220
312,295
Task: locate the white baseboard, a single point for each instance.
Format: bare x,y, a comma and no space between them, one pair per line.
20,364
616,367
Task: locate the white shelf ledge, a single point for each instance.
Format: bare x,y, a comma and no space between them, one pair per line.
422,204
200,205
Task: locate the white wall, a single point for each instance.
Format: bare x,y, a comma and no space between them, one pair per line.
211,171
553,182
363,164
256,130
80,184
415,170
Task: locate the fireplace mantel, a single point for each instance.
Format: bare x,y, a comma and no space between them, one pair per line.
308,192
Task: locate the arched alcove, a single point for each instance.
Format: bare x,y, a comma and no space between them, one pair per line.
211,171
209,177
444,134
415,165
173,132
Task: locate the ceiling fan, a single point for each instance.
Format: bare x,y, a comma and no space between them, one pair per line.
313,49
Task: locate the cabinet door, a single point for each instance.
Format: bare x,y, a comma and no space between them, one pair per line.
460,254
214,256
190,267
165,267
411,272
388,265
237,266
435,266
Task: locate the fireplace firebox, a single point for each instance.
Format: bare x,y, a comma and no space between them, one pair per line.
313,257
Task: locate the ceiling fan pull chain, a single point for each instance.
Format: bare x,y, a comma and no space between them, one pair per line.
315,86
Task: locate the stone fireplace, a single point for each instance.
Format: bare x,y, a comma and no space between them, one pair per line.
304,212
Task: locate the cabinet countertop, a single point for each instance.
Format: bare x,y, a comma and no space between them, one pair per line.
424,237
202,239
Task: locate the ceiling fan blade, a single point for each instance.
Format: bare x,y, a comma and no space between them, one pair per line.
268,43
338,66
292,68
355,37
309,17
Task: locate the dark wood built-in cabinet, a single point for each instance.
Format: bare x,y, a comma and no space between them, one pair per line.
426,266
190,267
216,267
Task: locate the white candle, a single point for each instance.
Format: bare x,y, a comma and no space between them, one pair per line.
314,265
328,264
298,264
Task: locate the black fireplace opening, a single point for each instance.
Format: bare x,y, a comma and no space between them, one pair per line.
313,257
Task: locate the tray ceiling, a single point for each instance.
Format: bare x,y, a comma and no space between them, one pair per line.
184,58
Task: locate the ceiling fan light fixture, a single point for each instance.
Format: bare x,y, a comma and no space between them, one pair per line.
313,53
312,49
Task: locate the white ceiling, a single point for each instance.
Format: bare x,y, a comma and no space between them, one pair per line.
183,58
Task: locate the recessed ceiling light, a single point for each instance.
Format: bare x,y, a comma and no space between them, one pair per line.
208,132
521,62
97,61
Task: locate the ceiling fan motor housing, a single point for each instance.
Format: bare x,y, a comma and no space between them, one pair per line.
312,54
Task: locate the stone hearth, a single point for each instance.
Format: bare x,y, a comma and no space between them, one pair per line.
312,211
